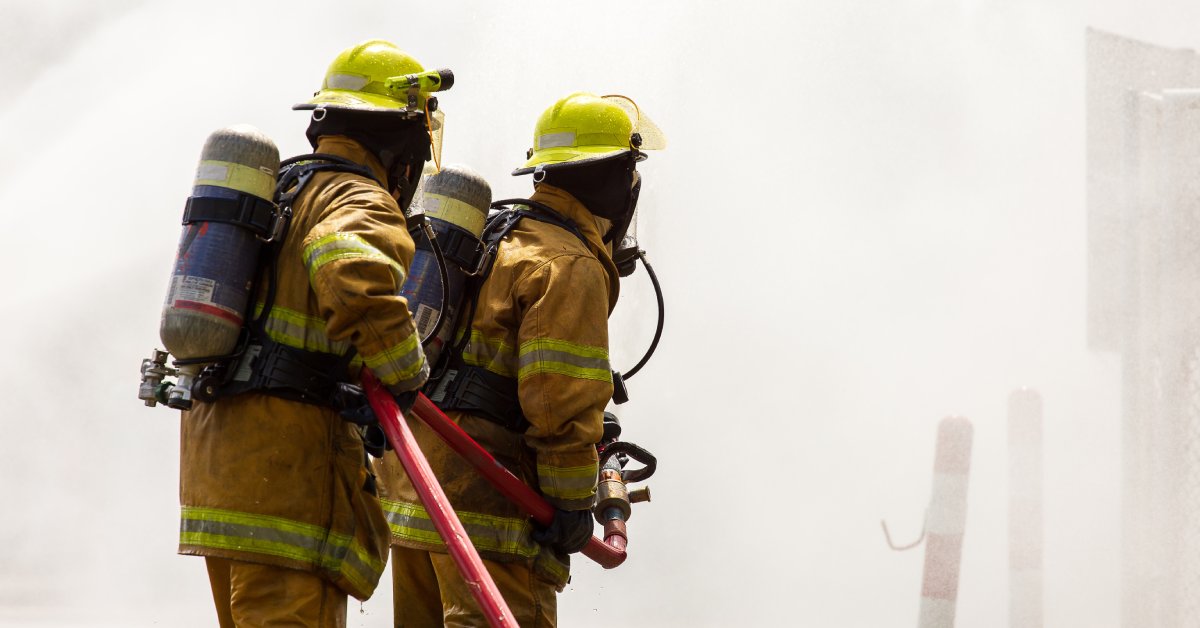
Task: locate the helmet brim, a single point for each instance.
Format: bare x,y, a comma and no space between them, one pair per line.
360,101
569,156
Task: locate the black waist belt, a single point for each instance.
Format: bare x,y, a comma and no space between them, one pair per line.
270,368
482,393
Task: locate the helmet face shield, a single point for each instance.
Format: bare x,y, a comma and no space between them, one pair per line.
436,126
652,137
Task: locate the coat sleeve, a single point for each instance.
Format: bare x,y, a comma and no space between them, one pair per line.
564,381
357,258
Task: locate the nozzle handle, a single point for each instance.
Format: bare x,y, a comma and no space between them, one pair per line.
633,451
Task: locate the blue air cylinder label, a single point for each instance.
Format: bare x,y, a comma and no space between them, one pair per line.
214,270
423,291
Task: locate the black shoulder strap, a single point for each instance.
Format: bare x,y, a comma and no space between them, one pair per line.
537,211
295,172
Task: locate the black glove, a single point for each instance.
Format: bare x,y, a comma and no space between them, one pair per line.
406,400
568,533
374,440
351,403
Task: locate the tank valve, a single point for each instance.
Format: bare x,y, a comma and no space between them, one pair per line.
180,395
154,369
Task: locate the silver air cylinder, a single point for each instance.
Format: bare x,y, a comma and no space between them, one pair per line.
217,260
456,202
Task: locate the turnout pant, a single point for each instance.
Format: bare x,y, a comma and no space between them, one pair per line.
427,591
249,595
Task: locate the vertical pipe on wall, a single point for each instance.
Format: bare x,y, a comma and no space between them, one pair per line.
946,522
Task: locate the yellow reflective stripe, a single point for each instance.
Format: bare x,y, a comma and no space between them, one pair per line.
298,330
506,535
547,355
454,211
567,482
563,346
399,364
276,536
494,354
255,181
340,245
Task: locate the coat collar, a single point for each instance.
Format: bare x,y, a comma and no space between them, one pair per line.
342,146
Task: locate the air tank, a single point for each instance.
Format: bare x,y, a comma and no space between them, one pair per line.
225,221
456,202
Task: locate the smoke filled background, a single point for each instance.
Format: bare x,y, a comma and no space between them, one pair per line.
870,216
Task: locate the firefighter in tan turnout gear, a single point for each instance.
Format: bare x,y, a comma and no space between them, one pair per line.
274,487
529,377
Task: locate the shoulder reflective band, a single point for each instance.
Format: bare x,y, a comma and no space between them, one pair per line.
341,245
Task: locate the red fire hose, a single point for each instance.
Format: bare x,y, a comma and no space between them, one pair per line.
444,520
608,553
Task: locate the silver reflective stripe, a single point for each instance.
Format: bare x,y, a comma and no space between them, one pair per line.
568,483
551,355
556,140
350,82
291,328
399,365
405,378
340,245
561,357
274,536
494,355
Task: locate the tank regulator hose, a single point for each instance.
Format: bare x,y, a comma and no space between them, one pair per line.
661,317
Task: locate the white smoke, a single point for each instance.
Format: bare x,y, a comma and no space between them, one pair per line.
869,216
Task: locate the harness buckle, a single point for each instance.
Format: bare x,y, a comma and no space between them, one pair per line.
279,224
